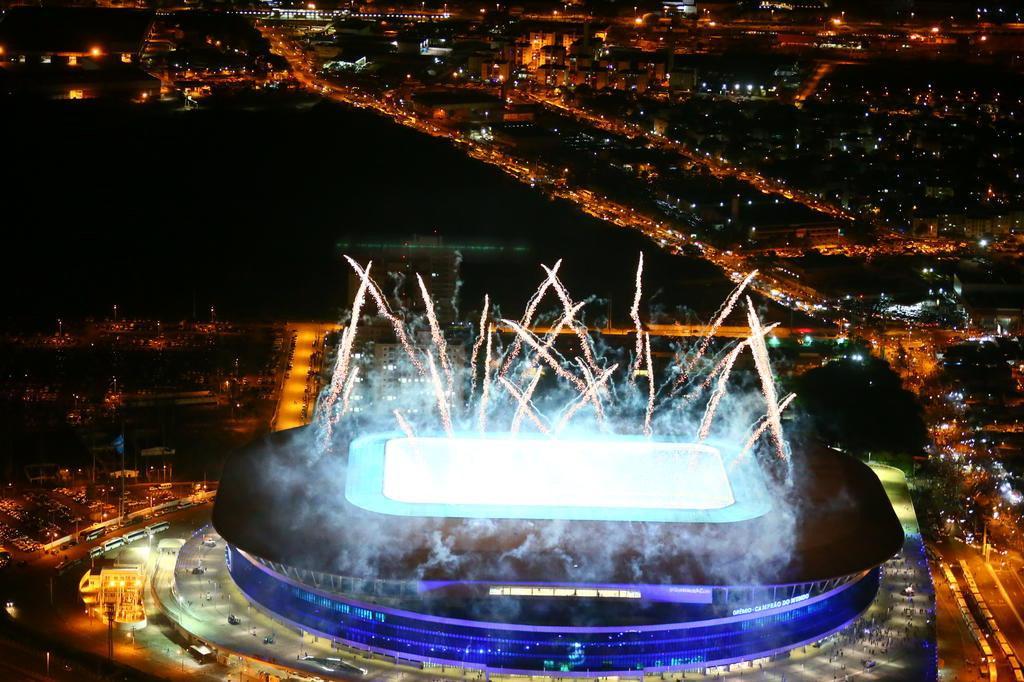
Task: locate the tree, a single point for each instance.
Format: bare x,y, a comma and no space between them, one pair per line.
860,406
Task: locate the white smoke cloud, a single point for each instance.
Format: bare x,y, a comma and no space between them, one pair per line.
490,549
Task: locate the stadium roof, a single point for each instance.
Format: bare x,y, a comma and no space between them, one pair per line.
281,502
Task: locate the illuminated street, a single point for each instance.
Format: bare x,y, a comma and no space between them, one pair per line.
302,374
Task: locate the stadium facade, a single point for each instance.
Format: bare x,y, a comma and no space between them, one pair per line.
342,546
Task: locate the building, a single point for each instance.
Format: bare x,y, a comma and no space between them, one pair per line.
457,105
400,261
992,296
75,53
116,593
680,8
976,225
71,36
800,235
526,580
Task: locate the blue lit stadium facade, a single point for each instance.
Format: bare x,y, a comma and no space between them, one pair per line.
756,631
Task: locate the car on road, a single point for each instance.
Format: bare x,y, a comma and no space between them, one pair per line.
233,619
269,639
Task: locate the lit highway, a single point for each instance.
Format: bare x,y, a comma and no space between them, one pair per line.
599,206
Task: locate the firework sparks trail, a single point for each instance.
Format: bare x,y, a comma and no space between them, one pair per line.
760,427
346,395
593,384
524,405
485,389
564,320
442,400
385,311
650,385
764,371
634,314
326,407
721,363
341,366
476,347
403,424
720,388
527,336
325,411
598,408
517,419
437,337
531,310
570,315
589,395
722,313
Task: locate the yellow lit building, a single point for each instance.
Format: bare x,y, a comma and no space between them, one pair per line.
118,591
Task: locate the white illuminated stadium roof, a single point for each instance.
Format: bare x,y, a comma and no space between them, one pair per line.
555,473
607,478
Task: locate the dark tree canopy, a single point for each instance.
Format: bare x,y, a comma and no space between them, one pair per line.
861,407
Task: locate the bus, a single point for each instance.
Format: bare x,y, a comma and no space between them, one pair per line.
185,504
113,543
202,653
157,527
89,536
135,535
96,551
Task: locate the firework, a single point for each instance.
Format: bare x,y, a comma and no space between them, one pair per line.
524,404
589,395
621,404
650,386
485,391
435,334
443,409
476,347
721,314
634,312
403,424
385,311
527,319
764,372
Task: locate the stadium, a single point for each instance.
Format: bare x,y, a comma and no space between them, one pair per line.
564,557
